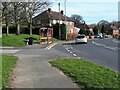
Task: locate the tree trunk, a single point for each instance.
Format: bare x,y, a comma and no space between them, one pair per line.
7,27
18,28
31,25
30,28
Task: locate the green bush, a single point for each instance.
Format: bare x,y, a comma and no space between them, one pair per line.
63,31
56,31
95,30
12,29
23,30
36,30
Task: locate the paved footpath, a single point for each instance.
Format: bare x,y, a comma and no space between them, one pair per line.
34,71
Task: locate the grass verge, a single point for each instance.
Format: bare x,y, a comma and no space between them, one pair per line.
7,64
87,74
16,40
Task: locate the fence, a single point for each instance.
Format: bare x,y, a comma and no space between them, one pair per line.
71,36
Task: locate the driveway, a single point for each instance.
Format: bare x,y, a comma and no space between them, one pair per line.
34,71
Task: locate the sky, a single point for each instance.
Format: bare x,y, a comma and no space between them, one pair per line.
92,11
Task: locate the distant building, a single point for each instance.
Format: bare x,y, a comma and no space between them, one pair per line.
115,30
76,30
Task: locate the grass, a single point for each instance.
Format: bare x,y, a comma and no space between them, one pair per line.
7,64
0,72
0,41
87,74
55,40
16,40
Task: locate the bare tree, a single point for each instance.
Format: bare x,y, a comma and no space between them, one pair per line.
78,20
32,8
101,25
6,15
17,12
103,22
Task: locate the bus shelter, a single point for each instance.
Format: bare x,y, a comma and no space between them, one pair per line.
46,35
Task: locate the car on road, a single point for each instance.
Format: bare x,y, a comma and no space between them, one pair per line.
81,38
105,36
98,36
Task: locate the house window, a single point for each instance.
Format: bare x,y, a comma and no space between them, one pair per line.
70,23
61,21
54,21
34,22
39,22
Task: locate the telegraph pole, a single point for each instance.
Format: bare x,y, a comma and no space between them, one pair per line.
65,18
59,21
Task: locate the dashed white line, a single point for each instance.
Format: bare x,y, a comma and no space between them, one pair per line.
74,55
70,52
67,49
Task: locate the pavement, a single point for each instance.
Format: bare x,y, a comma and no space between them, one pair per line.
33,69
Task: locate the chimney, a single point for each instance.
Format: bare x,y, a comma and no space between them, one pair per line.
49,10
62,12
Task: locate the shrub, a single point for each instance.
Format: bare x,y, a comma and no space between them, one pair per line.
12,29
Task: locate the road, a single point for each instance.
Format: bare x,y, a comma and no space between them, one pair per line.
102,52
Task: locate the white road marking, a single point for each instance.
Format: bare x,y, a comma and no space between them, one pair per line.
96,43
8,51
116,41
104,45
70,52
71,47
67,49
50,46
74,55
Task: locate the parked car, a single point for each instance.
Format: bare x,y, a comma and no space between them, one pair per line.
105,36
81,38
98,36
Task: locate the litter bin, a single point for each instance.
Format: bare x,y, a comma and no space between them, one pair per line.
30,42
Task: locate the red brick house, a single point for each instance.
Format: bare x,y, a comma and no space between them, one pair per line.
115,30
48,18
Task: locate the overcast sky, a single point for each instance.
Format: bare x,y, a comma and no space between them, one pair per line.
92,11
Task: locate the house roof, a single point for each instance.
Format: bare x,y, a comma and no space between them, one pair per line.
55,16
84,26
52,15
114,27
92,25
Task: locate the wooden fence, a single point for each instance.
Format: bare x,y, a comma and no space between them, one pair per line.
71,36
